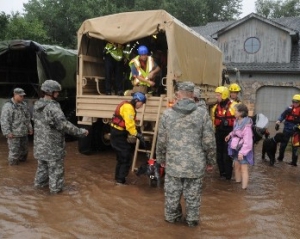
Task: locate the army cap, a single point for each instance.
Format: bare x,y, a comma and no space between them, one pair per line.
186,86
19,91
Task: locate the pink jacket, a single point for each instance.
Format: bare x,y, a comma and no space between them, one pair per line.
242,137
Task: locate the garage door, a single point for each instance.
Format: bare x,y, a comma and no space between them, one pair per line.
272,100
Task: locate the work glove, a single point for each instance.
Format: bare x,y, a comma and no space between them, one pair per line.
276,127
140,136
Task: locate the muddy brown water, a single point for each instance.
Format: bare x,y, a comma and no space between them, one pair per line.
92,206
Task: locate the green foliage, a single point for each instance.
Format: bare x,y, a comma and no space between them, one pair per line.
278,8
4,20
18,27
60,19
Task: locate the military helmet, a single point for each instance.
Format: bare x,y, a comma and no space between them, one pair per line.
139,97
143,50
296,98
234,87
49,86
223,90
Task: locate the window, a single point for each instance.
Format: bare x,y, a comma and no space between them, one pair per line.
252,45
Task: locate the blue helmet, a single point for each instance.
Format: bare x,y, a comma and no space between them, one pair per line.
143,50
139,96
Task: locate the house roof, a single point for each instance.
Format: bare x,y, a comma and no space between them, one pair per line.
292,32
212,30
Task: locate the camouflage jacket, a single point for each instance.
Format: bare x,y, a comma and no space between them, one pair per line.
50,126
186,140
15,119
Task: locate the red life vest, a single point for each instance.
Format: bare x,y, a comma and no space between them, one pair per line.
223,115
117,119
293,115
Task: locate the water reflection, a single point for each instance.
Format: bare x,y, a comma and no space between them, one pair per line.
91,206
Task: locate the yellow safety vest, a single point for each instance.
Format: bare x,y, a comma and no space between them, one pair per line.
149,67
116,51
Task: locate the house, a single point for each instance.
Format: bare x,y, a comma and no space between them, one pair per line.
266,55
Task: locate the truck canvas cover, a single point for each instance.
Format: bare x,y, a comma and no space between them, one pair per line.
190,56
26,61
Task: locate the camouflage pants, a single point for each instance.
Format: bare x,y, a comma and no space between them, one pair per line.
52,173
190,188
17,149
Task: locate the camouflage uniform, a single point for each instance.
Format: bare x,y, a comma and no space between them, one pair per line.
186,144
50,126
15,120
197,97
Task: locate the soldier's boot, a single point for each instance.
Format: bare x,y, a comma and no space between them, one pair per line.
192,223
177,219
13,161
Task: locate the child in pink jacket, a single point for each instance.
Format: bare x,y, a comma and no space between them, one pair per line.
240,146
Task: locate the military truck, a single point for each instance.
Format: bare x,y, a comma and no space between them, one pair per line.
27,64
184,56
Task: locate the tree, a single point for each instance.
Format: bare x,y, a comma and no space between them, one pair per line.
278,8
4,21
62,18
18,27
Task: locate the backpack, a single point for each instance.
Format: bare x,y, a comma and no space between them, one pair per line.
259,127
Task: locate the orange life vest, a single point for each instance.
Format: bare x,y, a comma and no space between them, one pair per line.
293,115
117,119
296,139
222,115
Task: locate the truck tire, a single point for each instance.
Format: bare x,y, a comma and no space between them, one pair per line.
85,143
95,141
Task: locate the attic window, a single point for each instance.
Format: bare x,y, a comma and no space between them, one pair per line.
252,45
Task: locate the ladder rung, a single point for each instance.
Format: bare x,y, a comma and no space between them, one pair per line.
143,150
148,132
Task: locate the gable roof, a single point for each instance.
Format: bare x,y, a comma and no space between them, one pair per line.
293,33
289,24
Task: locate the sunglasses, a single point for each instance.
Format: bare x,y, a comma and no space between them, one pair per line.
295,101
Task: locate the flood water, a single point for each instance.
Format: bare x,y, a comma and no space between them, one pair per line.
92,206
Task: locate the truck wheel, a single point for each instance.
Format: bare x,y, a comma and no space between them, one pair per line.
104,135
85,143
96,140
71,116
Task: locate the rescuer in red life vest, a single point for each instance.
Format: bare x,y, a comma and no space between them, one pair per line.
291,117
223,118
123,123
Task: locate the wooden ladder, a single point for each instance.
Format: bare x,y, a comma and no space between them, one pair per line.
152,134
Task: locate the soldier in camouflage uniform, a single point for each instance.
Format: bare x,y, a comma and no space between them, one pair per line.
50,126
186,145
16,125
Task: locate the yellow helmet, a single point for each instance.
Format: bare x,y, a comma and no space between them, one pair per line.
234,87
223,90
296,97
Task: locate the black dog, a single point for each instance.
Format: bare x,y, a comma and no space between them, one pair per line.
258,132
270,147
153,170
